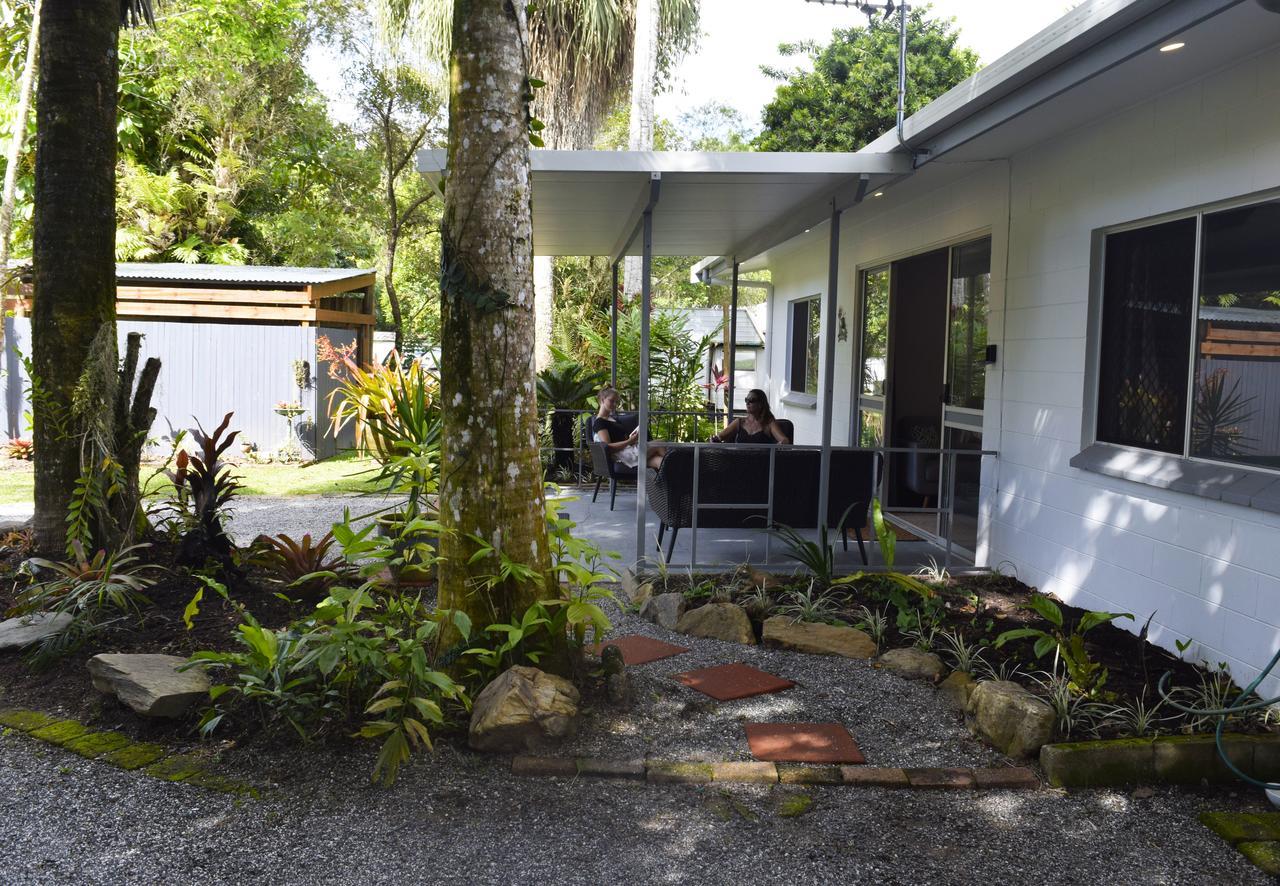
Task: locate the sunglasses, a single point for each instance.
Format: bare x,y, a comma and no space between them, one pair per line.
753,400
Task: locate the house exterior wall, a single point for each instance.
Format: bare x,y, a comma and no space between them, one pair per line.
1207,570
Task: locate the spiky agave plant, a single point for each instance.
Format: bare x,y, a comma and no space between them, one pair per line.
212,486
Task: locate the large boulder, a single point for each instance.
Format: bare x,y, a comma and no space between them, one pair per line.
522,709
20,632
914,664
817,639
1009,718
665,609
150,684
718,621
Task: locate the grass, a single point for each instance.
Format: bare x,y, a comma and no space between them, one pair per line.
343,473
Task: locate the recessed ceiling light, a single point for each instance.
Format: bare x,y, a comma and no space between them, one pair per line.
1172,47
878,194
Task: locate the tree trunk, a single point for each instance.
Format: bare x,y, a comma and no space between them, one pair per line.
491,478
644,73
74,235
393,298
18,138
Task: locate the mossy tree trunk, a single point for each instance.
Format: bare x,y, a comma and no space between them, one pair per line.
491,478
74,233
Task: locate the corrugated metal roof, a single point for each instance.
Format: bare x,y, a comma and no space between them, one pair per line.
1246,316
242,275
707,321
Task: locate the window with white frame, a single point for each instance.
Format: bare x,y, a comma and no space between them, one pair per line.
1189,357
805,325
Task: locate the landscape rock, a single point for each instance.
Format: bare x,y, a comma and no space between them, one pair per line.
522,709
914,664
150,684
955,690
818,639
665,610
1009,718
642,594
718,621
20,632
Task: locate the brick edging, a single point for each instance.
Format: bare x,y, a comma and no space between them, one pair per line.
751,772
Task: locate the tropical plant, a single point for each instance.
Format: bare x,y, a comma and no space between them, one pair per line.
1087,676
309,569
885,536
962,655
875,622
562,387
758,602
809,606
210,487
20,448
817,557
92,590
1074,714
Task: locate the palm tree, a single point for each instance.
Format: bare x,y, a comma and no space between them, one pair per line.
18,138
73,238
490,473
583,51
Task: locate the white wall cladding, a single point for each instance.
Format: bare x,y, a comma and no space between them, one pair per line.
1208,570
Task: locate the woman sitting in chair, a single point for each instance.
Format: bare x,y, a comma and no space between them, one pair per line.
757,426
622,448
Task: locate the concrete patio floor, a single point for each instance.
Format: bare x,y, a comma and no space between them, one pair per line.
616,531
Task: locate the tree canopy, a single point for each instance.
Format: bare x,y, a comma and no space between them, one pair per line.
851,96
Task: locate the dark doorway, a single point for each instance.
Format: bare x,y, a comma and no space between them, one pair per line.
917,356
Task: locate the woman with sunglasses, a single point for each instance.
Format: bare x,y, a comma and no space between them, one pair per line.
757,426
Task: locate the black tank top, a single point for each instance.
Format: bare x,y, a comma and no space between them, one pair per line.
762,436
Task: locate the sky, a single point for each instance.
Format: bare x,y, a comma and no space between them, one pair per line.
741,35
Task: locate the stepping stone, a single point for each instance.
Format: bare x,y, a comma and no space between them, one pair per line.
802,743
733,681
638,650
153,685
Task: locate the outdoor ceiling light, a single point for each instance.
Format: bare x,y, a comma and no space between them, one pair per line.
1270,5
878,194
1172,47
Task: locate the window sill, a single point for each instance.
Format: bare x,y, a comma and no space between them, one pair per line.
1243,486
800,401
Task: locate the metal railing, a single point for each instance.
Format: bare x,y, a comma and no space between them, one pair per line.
880,477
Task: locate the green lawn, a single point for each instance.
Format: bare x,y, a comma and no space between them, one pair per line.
341,474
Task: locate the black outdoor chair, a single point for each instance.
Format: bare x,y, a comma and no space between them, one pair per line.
604,468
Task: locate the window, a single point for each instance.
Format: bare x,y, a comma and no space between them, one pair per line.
806,325
1189,363
875,331
967,326
744,359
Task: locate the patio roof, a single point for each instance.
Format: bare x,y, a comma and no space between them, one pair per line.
588,202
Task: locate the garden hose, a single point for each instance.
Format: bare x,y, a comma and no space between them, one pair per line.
1272,788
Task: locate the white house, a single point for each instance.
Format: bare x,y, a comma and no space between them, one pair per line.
1101,207
1071,260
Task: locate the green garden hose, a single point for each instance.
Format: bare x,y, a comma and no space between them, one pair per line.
1223,713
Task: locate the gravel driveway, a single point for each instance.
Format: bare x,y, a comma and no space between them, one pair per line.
462,819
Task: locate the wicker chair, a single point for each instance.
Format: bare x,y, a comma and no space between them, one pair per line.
728,477
604,468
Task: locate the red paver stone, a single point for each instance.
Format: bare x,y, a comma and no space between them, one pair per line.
733,681
802,743
638,650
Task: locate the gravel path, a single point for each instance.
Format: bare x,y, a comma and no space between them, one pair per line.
897,722
295,515
462,819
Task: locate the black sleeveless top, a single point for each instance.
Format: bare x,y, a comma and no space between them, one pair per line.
762,436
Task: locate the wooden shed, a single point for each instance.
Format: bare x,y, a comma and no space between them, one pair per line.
230,338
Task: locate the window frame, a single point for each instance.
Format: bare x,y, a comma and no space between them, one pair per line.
1256,486
795,397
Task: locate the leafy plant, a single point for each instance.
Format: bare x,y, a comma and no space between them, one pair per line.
962,655
310,569
885,536
568,385
1004,670
20,448
934,573
211,487
1087,676
875,622
818,557
1136,717
809,606
1074,714
757,602
922,631
89,589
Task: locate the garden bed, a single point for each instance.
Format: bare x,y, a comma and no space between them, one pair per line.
963,622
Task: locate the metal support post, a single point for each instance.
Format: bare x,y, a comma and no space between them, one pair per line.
646,300
730,351
828,365
613,330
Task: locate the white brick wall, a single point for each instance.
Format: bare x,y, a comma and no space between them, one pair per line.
1210,571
